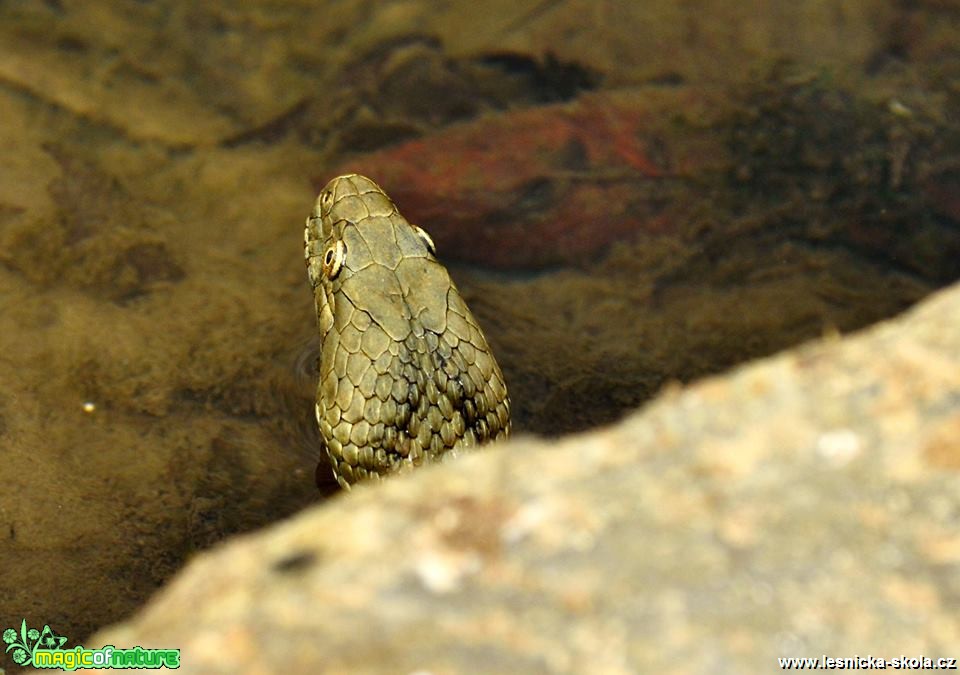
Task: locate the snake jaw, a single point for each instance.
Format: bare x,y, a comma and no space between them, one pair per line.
406,375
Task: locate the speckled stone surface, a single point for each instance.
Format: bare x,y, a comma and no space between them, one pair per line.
804,505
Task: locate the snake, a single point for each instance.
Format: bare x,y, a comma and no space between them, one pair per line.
406,375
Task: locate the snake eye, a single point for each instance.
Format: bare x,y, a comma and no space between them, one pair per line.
426,239
333,259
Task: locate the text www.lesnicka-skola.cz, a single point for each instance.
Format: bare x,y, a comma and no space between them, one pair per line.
868,663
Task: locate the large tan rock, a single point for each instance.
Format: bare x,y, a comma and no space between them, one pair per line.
799,506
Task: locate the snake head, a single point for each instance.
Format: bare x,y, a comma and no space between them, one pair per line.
405,371
357,243
344,201
350,198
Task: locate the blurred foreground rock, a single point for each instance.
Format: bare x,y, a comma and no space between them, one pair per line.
804,505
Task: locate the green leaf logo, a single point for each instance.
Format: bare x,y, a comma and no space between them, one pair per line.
29,640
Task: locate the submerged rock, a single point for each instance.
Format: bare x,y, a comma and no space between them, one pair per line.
803,505
556,184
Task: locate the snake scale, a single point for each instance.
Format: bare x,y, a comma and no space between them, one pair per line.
406,374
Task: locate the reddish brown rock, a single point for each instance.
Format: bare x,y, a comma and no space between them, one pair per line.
550,185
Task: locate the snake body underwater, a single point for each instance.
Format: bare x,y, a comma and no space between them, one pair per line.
406,374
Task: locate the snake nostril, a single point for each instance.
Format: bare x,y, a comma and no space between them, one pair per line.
326,198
